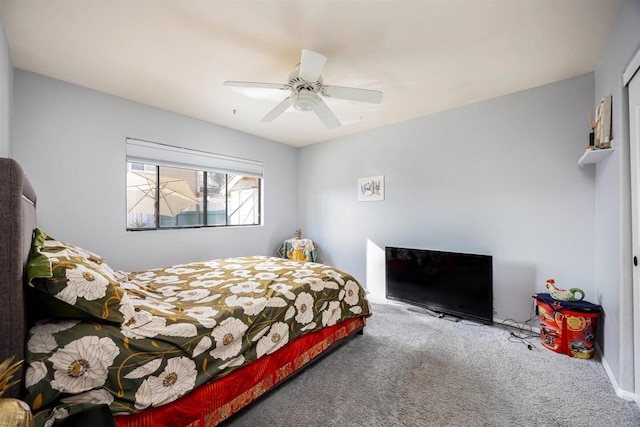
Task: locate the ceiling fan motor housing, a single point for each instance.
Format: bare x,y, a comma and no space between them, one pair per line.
303,97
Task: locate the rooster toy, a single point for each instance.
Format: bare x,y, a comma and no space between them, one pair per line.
564,294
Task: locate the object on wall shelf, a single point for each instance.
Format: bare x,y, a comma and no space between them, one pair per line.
594,155
602,127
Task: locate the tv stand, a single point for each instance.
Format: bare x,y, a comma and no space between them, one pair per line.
425,311
437,314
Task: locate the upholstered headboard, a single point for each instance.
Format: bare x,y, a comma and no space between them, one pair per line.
17,221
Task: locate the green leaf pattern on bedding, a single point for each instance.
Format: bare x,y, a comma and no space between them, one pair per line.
183,326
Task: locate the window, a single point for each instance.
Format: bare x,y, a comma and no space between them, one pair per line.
171,187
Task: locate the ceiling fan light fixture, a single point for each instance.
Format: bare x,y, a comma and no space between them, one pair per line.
304,100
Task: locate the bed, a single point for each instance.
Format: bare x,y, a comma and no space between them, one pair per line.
185,345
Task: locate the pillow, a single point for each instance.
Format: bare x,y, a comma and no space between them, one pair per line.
75,276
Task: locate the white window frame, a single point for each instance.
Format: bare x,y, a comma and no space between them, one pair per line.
157,154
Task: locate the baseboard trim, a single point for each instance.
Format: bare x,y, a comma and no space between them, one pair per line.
623,394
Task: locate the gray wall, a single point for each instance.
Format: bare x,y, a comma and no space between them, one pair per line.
613,198
498,177
6,95
71,142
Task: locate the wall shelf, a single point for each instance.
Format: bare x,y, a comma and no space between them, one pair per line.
594,156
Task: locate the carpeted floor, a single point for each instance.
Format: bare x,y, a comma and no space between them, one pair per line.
411,369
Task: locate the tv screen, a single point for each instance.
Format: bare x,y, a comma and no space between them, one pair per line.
451,283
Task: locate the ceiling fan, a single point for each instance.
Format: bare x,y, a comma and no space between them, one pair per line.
307,89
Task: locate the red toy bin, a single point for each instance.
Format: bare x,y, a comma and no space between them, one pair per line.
580,333
568,327
551,334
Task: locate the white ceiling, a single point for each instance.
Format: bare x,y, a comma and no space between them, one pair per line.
426,56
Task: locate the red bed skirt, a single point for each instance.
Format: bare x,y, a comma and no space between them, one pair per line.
214,402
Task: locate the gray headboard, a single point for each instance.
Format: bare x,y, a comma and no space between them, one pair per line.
17,221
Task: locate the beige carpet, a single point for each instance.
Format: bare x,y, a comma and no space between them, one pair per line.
411,369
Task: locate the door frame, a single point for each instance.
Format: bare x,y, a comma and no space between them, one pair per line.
633,71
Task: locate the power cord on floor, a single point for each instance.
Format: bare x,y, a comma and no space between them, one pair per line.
523,339
524,332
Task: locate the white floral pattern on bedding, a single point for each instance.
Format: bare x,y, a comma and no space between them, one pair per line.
183,326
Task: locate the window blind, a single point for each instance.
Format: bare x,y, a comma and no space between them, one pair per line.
140,151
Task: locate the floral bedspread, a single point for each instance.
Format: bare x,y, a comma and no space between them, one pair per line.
183,326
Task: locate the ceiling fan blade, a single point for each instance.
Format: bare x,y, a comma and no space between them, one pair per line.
311,64
255,85
326,115
277,110
352,94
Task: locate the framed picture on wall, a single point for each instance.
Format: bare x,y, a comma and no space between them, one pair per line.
371,189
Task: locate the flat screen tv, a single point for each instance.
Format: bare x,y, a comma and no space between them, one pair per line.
446,283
